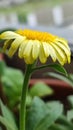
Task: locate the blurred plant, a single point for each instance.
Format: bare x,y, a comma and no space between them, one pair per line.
2,96
32,45
40,115
68,79
22,17
12,86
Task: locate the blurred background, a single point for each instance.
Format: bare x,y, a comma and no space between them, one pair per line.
54,13
54,16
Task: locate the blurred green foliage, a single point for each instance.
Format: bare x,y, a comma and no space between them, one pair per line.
22,17
12,80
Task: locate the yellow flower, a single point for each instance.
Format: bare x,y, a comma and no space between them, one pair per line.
34,44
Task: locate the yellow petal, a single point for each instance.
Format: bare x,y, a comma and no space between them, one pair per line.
42,56
22,48
29,59
28,49
65,49
45,48
7,43
61,57
9,35
14,46
63,41
52,52
35,49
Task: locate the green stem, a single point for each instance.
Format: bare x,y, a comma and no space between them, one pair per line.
23,97
56,67
41,67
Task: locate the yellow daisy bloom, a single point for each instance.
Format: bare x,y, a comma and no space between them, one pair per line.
34,44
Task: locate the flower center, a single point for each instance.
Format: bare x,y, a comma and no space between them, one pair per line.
37,35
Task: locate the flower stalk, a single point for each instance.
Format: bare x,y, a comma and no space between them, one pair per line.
23,97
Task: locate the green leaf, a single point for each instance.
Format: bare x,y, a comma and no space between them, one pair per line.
64,122
71,76
28,100
40,89
56,67
36,112
6,123
59,68
56,110
61,77
2,68
12,77
12,84
7,116
57,126
40,116
0,128
70,115
53,105
70,99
